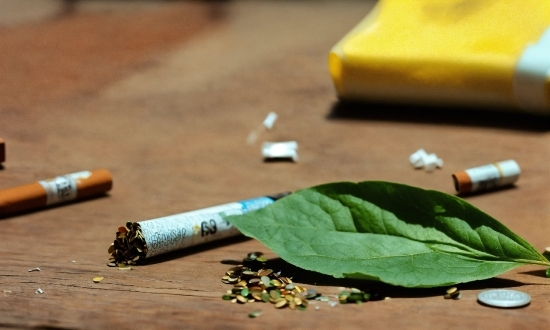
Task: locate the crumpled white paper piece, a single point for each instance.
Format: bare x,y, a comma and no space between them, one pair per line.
288,149
421,158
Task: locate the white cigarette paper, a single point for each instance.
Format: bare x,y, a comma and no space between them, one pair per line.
183,230
149,238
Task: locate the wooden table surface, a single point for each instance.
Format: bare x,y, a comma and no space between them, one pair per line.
164,95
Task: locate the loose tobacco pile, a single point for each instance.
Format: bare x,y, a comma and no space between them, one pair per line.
253,281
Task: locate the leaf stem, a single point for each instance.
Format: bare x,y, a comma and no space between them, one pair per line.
535,262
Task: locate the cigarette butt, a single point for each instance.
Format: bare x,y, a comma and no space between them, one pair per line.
487,177
2,151
54,191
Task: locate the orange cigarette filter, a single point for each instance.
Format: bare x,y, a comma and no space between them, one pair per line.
2,151
61,189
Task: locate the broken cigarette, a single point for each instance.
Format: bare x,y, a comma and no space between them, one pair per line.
145,239
54,191
487,177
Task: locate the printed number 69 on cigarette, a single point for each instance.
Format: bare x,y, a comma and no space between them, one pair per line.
208,227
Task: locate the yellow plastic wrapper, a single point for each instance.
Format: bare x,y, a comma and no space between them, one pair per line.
480,53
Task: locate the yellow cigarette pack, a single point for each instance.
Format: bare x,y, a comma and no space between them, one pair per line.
481,53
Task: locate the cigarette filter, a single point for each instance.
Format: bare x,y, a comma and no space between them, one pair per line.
487,176
145,239
54,191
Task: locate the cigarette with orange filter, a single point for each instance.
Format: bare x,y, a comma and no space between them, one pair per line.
58,190
487,177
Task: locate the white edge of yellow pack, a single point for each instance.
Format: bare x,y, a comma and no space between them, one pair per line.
474,53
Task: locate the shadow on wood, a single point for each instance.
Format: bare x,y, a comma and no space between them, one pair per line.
439,116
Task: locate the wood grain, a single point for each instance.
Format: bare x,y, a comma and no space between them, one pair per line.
164,98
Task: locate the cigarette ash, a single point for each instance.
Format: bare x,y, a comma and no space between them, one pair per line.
129,246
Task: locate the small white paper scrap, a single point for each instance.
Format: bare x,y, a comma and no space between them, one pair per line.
280,150
417,159
421,158
269,121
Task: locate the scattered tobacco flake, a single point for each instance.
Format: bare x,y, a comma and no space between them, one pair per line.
255,314
124,267
453,293
97,279
354,295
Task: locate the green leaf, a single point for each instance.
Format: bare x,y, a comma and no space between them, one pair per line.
388,232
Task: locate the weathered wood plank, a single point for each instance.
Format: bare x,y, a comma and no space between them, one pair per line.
166,105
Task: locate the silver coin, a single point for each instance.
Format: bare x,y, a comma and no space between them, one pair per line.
504,298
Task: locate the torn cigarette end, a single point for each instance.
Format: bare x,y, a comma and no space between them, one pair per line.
129,246
54,191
